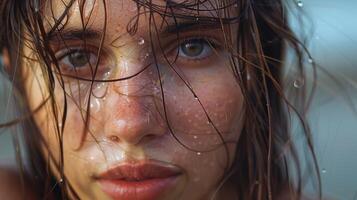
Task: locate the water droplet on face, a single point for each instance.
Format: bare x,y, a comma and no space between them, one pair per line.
300,3
298,83
195,137
144,57
198,153
95,105
141,41
208,122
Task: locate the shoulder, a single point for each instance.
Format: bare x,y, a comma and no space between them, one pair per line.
11,185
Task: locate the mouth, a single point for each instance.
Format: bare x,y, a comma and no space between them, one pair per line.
143,180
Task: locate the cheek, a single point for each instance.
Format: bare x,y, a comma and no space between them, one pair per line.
213,114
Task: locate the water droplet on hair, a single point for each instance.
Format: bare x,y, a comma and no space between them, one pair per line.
248,77
298,83
141,41
300,3
198,153
36,5
324,171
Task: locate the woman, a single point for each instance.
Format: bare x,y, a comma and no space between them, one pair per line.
154,99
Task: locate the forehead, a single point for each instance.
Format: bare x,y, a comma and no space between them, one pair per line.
119,11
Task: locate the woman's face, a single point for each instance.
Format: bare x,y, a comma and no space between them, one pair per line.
163,133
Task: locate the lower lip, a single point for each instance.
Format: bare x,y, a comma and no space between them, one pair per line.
148,189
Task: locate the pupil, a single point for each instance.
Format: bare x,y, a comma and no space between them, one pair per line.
78,59
193,48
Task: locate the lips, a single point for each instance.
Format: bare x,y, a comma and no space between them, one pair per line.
144,180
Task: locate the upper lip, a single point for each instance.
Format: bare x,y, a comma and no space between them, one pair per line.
140,170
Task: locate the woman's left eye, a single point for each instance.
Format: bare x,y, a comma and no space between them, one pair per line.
195,49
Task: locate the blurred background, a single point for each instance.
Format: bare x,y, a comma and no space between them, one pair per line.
333,43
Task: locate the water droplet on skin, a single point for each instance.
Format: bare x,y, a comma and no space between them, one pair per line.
324,171
141,41
198,153
144,57
95,105
300,3
208,122
195,137
298,83
60,181
310,60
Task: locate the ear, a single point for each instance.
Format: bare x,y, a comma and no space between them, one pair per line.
6,60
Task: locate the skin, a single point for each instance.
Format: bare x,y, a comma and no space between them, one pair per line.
127,119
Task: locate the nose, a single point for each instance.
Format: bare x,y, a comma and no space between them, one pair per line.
133,112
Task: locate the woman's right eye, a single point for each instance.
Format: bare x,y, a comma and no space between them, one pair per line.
78,63
79,59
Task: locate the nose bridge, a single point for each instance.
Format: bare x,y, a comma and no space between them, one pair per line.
133,112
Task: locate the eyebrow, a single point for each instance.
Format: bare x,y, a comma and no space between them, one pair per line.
68,34
186,26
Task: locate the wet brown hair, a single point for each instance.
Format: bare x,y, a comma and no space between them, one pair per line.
265,155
